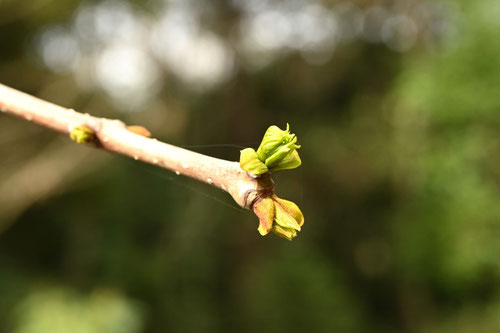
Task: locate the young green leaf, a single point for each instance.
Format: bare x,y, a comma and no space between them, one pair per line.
251,163
292,161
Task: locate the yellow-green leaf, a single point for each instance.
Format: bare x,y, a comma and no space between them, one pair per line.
264,209
250,162
292,161
290,209
287,233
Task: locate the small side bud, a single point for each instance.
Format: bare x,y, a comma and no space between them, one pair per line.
82,134
139,130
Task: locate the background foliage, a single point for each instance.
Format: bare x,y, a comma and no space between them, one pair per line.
394,102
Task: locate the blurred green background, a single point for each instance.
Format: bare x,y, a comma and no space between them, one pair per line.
396,105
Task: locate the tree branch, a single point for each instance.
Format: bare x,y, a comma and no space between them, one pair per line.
113,136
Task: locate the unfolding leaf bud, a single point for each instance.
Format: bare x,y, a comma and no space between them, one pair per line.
280,216
277,151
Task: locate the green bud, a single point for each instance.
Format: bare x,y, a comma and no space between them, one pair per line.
82,134
276,146
277,151
251,163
